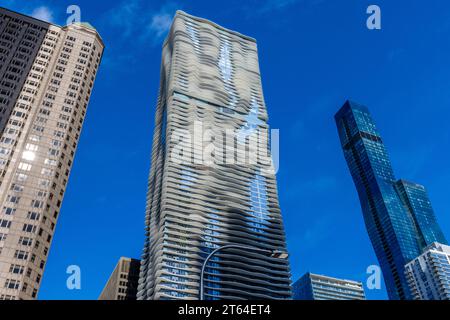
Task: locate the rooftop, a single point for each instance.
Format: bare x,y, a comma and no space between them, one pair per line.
215,25
86,25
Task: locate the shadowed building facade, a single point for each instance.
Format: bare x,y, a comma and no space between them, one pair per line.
210,77
47,74
123,282
398,214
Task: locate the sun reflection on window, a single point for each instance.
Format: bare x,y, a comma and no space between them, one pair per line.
28,155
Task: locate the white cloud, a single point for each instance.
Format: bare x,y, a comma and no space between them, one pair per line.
161,24
43,13
135,18
126,16
158,23
269,6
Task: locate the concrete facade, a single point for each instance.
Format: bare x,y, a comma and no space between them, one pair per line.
123,282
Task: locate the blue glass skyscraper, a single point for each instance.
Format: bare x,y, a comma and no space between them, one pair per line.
398,214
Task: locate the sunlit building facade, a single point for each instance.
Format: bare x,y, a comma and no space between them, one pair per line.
319,287
429,274
201,200
47,74
398,214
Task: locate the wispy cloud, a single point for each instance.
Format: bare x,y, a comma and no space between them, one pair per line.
137,20
43,13
124,17
158,23
264,7
37,10
134,24
271,5
161,24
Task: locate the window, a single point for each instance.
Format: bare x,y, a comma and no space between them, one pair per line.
26,166
29,228
56,143
53,152
25,241
28,155
46,172
16,187
50,162
9,211
21,255
37,204
16,269
41,194
5,223
31,147
13,199
4,151
21,177
12,284
44,183
35,138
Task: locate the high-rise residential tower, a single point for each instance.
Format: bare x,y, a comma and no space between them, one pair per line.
123,282
398,214
319,287
203,191
46,77
429,274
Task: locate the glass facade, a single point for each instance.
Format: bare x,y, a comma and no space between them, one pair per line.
398,214
416,200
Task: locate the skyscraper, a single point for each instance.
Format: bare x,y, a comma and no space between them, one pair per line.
123,282
398,214
46,77
429,274
200,199
319,287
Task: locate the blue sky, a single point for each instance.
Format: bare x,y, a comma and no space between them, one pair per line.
314,54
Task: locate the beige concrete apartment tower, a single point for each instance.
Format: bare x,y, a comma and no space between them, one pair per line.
47,74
